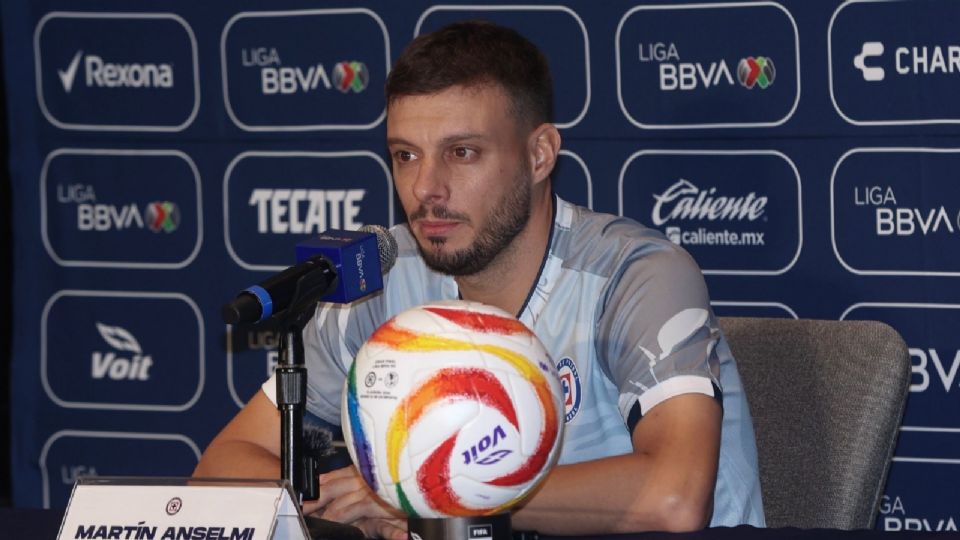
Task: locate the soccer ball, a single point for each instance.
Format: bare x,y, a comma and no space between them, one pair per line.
453,409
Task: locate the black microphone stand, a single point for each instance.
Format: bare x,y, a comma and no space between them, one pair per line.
295,467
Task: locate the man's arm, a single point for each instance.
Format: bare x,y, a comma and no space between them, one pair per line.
667,483
248,447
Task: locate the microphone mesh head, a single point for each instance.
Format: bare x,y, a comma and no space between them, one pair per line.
386,245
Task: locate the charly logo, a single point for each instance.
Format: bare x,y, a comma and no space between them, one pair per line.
870,49
908,60
103,74
156,216
756,71
279,78
125,362
306,211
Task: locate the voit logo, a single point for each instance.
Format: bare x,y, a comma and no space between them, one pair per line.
685,202
123,360
276,77
675,74
91,215
100,73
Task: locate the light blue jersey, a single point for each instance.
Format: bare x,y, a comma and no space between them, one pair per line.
625,315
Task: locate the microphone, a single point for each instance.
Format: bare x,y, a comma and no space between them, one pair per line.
338,265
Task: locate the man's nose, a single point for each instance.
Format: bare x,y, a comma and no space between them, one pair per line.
430,185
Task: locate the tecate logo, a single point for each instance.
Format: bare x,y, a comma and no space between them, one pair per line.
305,211
685,201
100,73
125,362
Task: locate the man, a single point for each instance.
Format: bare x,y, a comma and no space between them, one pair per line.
659,435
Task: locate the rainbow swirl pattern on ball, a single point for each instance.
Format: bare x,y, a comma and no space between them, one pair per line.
452,383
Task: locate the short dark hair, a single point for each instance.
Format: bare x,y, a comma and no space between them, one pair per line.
475,53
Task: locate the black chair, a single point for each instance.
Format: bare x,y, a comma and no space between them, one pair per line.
827,398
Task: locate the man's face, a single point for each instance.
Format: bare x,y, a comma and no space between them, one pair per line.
462,174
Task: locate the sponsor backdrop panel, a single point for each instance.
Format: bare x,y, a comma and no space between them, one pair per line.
165,156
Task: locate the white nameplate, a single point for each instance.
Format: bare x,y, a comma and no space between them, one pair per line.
183,509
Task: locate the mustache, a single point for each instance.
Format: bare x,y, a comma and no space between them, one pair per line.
438,212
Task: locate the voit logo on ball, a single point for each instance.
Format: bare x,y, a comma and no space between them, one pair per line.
121,208
690,66
272,82
736,212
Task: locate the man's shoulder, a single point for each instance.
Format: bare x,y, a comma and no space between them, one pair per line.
601,243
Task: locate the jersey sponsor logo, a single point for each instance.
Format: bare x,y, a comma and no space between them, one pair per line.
714,202
876,59
86,63
121,208
572,389
696,61
877,225
271,82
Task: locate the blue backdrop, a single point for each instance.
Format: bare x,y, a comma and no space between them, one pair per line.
165,154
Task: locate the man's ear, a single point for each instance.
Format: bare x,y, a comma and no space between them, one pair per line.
544,146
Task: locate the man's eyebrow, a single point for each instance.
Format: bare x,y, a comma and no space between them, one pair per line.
450,139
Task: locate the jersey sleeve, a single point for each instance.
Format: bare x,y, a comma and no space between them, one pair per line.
657,334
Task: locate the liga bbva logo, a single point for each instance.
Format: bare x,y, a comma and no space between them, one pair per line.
875,60
116,72
703,70
272,82
888,204
121,208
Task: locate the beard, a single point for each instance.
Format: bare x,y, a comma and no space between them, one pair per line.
508,219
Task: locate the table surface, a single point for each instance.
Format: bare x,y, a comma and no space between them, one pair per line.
39,524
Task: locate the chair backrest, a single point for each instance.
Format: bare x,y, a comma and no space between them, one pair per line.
826,398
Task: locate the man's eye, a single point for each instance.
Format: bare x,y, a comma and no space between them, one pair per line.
462,152
404,156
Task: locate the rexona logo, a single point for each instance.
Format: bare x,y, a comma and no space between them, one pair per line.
116,72
156,216
125,361
277,78
103,74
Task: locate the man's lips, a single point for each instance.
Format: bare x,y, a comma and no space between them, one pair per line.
433,227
